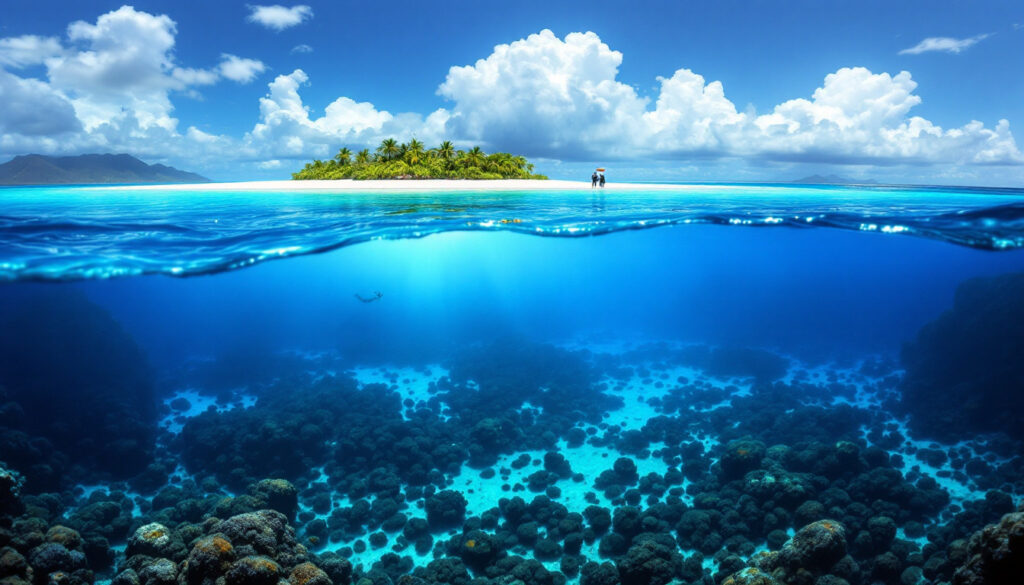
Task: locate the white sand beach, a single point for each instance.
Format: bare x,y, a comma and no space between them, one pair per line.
417,185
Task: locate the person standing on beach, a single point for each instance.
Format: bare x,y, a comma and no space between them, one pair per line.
593,180
602,180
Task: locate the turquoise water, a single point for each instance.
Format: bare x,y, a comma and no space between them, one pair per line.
71,233
791,353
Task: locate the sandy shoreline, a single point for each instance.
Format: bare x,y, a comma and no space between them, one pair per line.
414,185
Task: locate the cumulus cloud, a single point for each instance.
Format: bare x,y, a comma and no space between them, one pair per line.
109,87
944,45
32,108
279,17
286,129
544,94
28,50
554,97
239,69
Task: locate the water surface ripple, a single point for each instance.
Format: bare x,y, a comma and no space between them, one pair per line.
72,233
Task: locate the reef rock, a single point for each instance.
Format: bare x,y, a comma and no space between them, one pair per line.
995,553
815,547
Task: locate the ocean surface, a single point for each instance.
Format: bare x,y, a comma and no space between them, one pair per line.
693,385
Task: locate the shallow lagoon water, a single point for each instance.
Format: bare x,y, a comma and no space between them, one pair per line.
748,352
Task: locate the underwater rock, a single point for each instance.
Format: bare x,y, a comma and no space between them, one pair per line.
750,576
255,570
599,574
446,570
50,557
995,554
155,540
740,457
815,547
267,533
11,483
308,574
109,519
512,371
338,568
159,572
208,560
651,560
57,346
965,369
735,362
12,563
277,494
445,509
479,549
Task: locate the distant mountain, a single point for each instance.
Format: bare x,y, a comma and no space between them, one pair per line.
832,180
37,169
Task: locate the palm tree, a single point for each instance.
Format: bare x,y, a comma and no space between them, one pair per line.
344,156
474,157
446,151
413,152
388,149
363,156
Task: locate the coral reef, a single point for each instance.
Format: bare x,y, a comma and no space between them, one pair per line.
56,346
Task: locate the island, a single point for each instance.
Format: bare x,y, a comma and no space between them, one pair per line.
412,160
89,169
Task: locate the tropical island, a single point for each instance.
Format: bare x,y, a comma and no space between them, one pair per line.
412,160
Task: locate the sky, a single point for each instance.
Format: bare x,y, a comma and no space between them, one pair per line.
897,92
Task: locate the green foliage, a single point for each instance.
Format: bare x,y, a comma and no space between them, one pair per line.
392,160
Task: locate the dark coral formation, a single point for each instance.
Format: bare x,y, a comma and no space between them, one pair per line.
56,346
322,463
995,554
251,548
965,370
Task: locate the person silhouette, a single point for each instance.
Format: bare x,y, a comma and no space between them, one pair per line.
602,180
593,180
377,295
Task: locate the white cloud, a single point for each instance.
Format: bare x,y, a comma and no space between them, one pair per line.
239,69
32,108
279,17
944,44
545,96
28,50
122,62
286,129
269,164
109,87
303,48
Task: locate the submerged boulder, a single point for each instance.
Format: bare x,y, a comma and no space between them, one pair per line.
815,547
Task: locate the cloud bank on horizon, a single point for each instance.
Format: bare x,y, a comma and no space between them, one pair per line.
109,85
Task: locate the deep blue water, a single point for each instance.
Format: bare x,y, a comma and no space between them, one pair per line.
114,302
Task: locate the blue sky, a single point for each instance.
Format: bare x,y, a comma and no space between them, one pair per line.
921,92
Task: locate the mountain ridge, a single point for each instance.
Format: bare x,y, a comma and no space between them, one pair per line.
89,169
